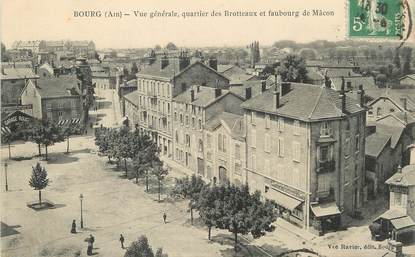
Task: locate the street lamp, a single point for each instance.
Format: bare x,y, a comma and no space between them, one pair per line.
5,174
81,197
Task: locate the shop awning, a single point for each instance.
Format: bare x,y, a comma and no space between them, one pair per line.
325,209
402,222
282,199
391,214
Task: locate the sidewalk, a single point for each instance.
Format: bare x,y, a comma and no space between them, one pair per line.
287,226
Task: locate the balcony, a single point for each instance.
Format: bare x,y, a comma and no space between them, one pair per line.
326,166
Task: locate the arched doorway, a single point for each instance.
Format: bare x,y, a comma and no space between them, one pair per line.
223,177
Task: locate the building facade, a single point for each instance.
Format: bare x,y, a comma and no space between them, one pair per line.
13,80
306,152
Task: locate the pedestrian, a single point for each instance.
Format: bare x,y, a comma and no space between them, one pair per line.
89,248
73,229
122,241
164,217
92,240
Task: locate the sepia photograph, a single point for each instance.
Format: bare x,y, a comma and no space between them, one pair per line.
207,128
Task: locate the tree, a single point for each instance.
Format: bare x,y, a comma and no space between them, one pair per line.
189,189
292,68
71,129
39,180
381,79
51,134
3,52
407,58
134,68
35,134
171,46
209,204
397,59
157,48
142,248
7,138
160,173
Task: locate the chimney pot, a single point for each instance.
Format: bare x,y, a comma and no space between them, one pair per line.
361,94
248,93
218,92
276,98
263,85
192,95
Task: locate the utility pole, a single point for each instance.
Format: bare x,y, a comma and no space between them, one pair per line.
5,174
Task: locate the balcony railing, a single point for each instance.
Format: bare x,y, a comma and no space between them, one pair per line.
326,166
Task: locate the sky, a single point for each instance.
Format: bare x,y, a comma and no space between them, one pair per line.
54,20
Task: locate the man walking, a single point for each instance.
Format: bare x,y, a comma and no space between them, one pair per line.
164,218
122,241
73,228
92,240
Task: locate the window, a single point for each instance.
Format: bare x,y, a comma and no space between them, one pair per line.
187,120
237,152
200,145
325,129
253,162
209,141
357,143
323,184
175,116
267,121
224,143
253,138
200,124
280,124
267,167
238,168
177,137
181,118
253,118
281,147
193,122
397,198
347,128
392,110
347,147
187,140
296,125
267,143
324,153
296,151
378,111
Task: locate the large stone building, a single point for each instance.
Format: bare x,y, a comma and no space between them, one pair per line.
54,99
191,110
13,80
158,83
305,148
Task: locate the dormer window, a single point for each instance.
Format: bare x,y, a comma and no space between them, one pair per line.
325,129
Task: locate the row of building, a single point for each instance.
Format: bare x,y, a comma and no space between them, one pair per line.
301,145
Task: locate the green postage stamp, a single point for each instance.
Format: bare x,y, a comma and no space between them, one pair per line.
379,18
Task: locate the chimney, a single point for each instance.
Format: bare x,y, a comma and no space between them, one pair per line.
198,89
285,88
412,154
248,93
361,94
164,61
343,96
404,103
192,95
263,86
184,60
35,68
276,99
218,92
278,83
213,63
395,248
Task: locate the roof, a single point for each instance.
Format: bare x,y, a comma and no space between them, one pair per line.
237,75
222,68
394,131
23,44
404,178
325,209
304,102
240,90
18,73
391,214
375,143
335,72
367,82
403,222
203,98
132,97
411,76
58,87
171,70
283,199
395,95
233,122
21,64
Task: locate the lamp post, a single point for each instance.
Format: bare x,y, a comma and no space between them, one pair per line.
81,197
5,174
